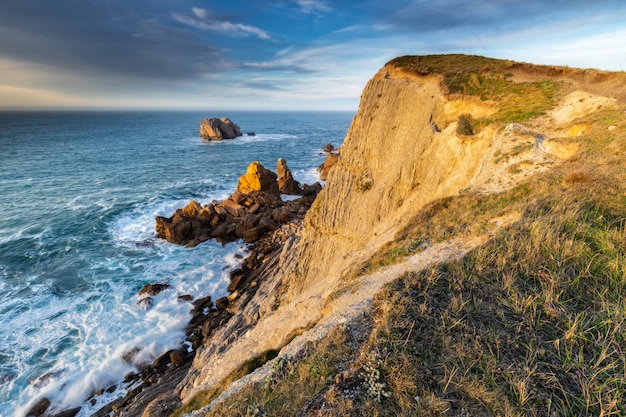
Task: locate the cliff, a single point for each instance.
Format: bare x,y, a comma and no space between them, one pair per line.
435,134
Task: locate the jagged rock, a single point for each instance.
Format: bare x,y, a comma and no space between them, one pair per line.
258,178
192,209
233,208
145,302
218,129
329,148
268,223
177,356
286,183
251,134
236,278
253,234
311,190
222,303
154,289
281,215
39,408
329,162
72,412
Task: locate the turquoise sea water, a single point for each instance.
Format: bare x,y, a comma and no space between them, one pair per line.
79,192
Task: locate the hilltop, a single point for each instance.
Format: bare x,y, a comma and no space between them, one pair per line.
467,256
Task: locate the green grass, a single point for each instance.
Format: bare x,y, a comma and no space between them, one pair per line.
487,79
531,323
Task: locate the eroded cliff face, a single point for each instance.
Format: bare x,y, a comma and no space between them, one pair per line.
401,152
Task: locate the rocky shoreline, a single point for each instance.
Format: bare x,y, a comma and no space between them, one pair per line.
256,213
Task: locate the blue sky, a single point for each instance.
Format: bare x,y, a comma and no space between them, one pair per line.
274,54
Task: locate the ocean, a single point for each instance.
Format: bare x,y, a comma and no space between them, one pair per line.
79,193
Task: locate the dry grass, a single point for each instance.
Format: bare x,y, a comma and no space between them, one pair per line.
532,323
488,79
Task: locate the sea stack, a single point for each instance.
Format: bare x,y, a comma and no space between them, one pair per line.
218,129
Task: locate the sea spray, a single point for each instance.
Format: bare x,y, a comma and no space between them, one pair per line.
79,193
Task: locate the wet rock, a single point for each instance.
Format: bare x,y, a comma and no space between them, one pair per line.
154,289
218,129
145,303
185,297
72,412
39,408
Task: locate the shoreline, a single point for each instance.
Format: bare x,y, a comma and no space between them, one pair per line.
157,382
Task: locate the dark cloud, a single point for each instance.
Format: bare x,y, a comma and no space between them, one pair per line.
105,39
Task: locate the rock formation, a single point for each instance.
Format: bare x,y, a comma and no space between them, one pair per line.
329,162
286,183
258,178
401,152
254,209
218,129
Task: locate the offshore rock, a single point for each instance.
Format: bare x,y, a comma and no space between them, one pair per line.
286,183
218,129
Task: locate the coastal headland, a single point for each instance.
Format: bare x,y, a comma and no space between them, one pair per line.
466,256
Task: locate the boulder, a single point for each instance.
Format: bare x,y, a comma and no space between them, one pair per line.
218,129
286,183
328,148
233,208
175,229
258,178
39,408
329,162
154,289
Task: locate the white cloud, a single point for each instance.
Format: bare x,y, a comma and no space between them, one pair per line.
206,20
312,6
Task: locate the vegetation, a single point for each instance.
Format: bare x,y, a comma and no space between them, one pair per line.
488,79
531,323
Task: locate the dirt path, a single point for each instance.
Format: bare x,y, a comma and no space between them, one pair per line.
354,302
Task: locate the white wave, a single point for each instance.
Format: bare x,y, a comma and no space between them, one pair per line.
246,140
307,176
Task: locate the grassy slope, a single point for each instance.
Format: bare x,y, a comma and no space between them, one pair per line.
531,323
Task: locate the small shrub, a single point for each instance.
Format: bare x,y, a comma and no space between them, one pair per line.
464,125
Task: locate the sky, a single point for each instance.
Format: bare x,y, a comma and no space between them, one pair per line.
273,54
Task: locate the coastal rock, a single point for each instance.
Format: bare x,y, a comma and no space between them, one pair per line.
286,183
258,178
328,148
39,408
329,162
154,289
218,129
